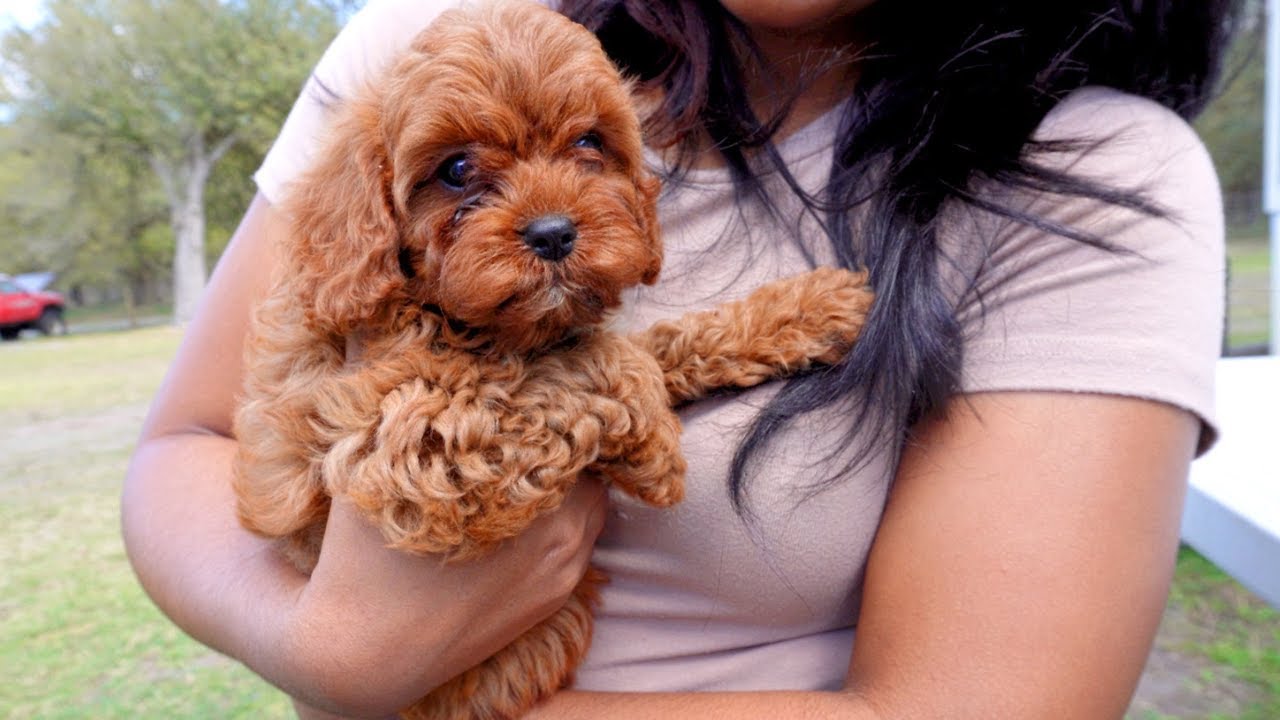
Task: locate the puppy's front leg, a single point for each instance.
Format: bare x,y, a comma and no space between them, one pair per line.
454,469
640,446
782,328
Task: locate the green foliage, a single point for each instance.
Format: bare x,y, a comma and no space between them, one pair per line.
228,194
79,210
1232,125
112,106
148,74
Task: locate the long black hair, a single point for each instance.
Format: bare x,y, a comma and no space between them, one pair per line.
949,94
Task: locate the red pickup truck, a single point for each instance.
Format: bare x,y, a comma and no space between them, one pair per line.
21,308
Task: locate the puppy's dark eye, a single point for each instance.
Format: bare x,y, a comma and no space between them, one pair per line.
590,141
454,172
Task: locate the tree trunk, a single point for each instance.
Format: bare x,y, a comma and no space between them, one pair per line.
131,302
187,218
184,181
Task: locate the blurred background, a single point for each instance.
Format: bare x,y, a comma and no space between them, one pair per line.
128,133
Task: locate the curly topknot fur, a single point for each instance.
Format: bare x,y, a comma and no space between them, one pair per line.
485,383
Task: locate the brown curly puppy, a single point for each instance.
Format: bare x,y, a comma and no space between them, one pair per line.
469,224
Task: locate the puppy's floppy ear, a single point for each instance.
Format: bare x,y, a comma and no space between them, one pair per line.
344,247
647,190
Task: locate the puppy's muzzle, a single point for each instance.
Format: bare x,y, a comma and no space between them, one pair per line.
551,237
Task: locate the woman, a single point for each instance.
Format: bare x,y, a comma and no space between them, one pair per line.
985,495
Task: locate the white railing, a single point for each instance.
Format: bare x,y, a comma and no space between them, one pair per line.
1232,513
1271,163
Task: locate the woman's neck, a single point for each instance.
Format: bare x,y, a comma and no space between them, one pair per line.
811,70
804,72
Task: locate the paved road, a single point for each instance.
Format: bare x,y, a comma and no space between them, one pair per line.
111,325
93,326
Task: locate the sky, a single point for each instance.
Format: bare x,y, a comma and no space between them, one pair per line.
19,12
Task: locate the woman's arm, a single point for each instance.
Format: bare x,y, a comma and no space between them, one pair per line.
1020,570
372,629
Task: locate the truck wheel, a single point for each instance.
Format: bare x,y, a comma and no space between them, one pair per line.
51,322
9,333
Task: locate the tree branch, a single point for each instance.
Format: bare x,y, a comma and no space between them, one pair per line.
221,147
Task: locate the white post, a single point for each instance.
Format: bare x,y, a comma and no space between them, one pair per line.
1274,224
1271,163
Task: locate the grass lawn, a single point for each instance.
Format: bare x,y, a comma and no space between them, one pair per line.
1217,656
1248,297
1238,632
79,639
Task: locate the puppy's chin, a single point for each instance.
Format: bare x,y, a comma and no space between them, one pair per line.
545,318
554,298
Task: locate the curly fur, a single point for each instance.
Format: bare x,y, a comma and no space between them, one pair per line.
485,382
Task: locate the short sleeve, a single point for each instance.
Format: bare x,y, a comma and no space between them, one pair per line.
367,45
1142,318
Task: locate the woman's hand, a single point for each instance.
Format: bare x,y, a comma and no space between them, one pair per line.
418,620
373,629
376,628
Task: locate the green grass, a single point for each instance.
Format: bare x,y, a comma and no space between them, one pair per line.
1248,298
1249,256
1239,633
50,377
78,638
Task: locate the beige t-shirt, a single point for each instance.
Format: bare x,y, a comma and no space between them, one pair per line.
698,600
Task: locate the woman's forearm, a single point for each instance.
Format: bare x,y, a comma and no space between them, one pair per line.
373,629
222,585
779,705
232,591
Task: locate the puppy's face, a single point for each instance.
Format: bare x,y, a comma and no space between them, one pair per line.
511,175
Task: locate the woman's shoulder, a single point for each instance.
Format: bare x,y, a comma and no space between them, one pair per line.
372,39
1141,317
1098,108
375,36
1128,141
1113,141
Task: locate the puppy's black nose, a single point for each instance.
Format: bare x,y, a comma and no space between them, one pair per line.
551,237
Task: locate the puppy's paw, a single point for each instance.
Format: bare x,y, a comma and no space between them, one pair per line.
831,309
662,494
790,324
657,481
